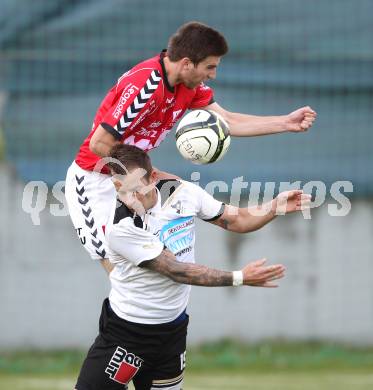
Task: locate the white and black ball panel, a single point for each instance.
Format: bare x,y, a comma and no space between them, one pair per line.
198,145
224,149
195,116
202,137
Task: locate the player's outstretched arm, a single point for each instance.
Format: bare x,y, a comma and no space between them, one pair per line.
245,220
243,125
253,274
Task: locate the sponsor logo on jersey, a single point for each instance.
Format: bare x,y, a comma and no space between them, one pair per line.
183,225
178,245
169,103
148,133
123,366
128,91
139,102
178,234
178,207
144,132
175,115
140,118
183,251
152,107
155,124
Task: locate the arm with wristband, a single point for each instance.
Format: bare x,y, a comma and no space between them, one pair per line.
253,274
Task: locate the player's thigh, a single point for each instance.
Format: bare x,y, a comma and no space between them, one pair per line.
111,366
111,362
167,370
164,377
89,198
93,374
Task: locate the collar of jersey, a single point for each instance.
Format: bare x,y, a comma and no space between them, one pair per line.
122,211
165,79
157,206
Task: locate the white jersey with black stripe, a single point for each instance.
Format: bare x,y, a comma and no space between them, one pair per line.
139,294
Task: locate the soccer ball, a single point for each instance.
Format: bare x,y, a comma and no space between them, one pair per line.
202,137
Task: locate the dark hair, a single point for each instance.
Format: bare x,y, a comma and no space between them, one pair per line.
196,41
131,157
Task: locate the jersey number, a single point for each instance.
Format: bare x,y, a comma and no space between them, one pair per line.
182,361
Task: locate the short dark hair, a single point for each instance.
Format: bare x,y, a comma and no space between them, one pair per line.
131,157
197,41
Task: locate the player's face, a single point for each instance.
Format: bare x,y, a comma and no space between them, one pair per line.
204,71
146,194
136,191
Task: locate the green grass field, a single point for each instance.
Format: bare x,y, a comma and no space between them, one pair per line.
225,365
227,380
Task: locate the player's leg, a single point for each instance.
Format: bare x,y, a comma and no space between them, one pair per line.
98,367
89,196
168,376
110,363
166,371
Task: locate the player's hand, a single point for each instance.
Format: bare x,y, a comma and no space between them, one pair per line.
131,201
259,275
162,175
290,201
300,120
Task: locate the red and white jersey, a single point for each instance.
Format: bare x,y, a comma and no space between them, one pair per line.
142,108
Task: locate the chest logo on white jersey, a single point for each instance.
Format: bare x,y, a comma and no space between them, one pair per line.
178,234
178,207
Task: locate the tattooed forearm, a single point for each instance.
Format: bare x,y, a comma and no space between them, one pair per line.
222,222
188,273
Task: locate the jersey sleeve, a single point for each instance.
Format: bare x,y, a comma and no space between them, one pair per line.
203,97
207,207
132,243
132,93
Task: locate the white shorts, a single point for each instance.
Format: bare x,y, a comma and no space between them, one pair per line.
89,196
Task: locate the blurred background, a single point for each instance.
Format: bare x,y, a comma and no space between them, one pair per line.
58,58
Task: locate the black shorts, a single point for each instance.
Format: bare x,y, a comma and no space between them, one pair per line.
152,356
